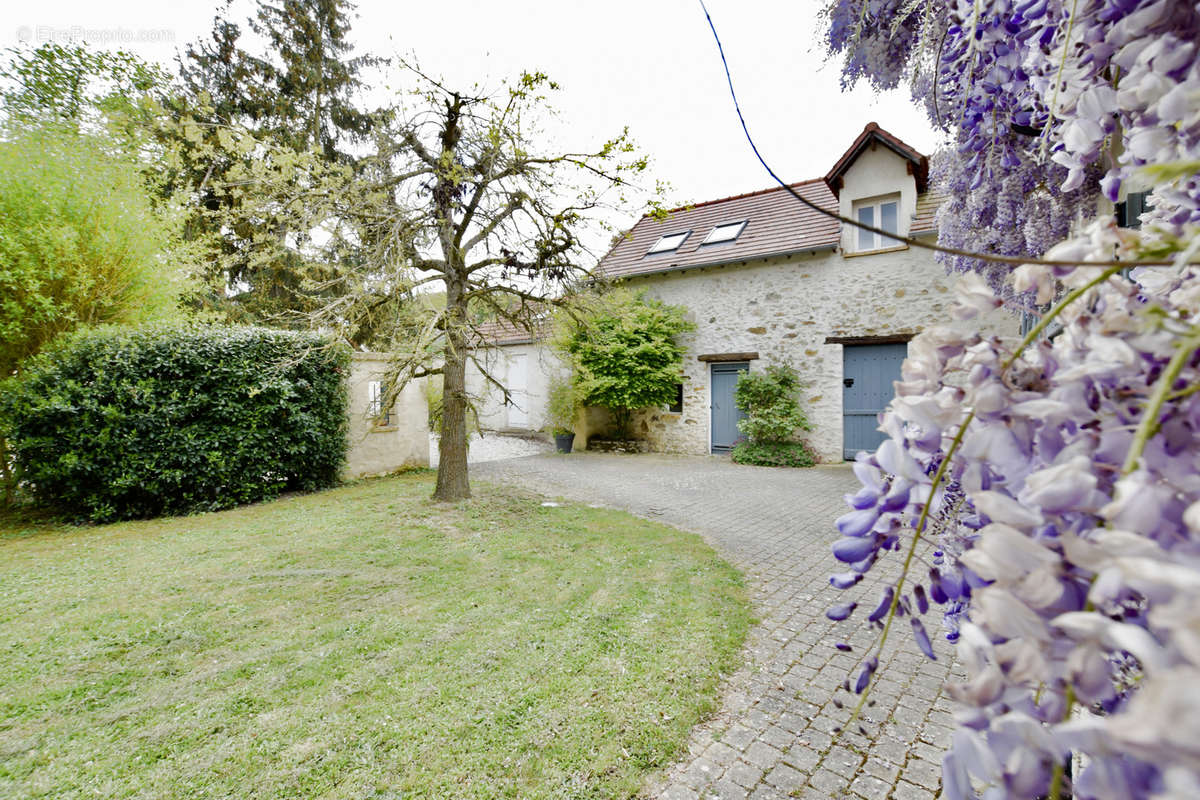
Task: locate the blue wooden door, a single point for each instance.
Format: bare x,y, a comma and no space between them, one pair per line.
868,371
725,413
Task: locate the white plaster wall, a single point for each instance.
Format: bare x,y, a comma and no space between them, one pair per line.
877,172
376,449
542,365
784,310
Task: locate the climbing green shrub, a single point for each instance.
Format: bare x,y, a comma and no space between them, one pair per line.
119,423
773,417
769,399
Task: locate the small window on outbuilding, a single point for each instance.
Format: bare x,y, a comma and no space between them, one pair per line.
375,397
676,404
881,213
666,244
725,232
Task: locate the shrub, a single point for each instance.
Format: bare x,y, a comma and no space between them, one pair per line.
81,243
562,405
773,417
119,423
433,404
769,399
626,353
773,454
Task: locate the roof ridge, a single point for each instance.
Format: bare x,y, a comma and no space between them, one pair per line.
755,193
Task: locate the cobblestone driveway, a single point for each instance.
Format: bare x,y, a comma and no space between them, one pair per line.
774,734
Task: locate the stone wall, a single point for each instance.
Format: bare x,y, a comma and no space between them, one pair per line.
784,309
375,448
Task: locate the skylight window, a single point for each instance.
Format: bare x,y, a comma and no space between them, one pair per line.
667,243
725,232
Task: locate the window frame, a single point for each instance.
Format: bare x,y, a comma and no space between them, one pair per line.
676,406
654,249
741,226
375,397
878,241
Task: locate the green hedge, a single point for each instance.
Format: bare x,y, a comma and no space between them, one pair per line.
773,454
120,423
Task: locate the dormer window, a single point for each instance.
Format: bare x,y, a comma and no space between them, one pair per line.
668,243
725,232
878,213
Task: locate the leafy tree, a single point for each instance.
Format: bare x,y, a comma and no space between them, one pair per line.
626,352
81,243
74,85
461,196
309,78
455,194
297,94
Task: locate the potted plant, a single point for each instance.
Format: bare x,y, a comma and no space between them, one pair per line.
561,406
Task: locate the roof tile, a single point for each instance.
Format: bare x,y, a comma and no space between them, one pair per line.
776,224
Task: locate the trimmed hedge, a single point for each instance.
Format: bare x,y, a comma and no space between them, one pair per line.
120,423
773,454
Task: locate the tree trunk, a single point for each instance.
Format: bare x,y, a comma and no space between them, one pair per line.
452,480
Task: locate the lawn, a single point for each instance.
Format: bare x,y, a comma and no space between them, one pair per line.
358,643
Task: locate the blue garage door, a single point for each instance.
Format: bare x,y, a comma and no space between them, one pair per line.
868,371
725,413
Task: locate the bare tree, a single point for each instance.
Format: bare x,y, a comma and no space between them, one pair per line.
461,198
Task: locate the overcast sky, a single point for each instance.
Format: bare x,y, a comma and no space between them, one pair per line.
648,64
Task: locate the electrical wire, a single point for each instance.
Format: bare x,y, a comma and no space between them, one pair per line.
954,251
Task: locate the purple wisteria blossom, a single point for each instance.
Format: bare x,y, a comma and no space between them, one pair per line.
1049,105
1062,537
1044,495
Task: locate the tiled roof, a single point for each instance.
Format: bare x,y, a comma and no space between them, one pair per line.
776,224
504,332
918,163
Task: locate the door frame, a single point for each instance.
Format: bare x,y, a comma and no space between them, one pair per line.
517,396
850,342
713,368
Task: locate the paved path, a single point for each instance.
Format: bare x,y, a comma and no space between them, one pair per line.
774,734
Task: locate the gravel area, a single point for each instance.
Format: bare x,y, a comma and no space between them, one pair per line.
496,446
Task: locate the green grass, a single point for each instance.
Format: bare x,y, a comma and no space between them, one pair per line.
358,643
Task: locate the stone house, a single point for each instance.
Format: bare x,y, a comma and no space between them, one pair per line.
767,280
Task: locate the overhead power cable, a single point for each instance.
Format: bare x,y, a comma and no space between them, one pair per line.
1015,261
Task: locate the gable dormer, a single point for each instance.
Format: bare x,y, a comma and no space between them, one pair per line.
877,181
